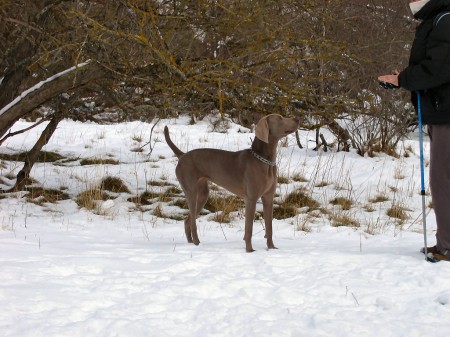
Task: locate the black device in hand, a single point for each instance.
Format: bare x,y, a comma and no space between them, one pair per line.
387,85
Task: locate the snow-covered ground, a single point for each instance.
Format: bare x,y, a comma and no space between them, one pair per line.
122,271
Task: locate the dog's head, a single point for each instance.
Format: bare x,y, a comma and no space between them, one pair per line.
275,126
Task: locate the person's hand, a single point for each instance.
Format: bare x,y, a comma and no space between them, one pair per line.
389,81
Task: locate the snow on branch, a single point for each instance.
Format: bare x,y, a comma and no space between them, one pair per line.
39,85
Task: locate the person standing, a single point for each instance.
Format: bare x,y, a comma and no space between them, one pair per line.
428,73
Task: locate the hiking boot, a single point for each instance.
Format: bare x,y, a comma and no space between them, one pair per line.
432,250
441,257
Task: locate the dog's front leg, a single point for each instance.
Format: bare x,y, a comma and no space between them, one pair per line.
250,208
267,201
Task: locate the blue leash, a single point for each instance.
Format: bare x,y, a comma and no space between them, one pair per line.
422,174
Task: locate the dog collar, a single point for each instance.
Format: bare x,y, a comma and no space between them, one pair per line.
264,160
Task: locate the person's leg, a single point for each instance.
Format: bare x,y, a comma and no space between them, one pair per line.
440,182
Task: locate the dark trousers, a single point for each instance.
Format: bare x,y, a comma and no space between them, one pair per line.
440,181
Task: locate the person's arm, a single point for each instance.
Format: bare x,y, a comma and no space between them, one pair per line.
435,69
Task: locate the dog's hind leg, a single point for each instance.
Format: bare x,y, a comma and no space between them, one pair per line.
190,225
201,198
196,197
202,194
190,195
187,228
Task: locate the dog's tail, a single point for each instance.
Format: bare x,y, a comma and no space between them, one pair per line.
169,142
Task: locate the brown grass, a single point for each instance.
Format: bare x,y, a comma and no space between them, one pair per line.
115,185
299,178
146,198
343,220
345,203
284,211
44,157
229,203
39,195
223,205
322,184
379,198
282,180
88,199
98,161
398,212
159,183
289,206
299,198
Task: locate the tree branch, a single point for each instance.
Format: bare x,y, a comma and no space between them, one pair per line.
48,90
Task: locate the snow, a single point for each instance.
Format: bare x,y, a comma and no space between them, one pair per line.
121,271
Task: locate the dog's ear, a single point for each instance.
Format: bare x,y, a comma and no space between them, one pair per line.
262,130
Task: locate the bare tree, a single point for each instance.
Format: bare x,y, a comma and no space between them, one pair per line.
240,58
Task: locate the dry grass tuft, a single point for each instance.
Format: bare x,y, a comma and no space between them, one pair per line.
98,161
303,224
228,204
398,212
146,198
149,197
158,212
289,206
299,178
44,157
343,220
181,202
283,180
345,203
284,211
322,184
221,217
379,198
115,185
39,195
299,198
159,183
169,194
222,206
89,199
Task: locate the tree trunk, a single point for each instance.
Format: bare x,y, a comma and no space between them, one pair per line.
19,58
33,154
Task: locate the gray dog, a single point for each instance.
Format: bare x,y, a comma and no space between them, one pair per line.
250,174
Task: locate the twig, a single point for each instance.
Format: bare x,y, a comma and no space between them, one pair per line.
150,141
297,137
12,134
